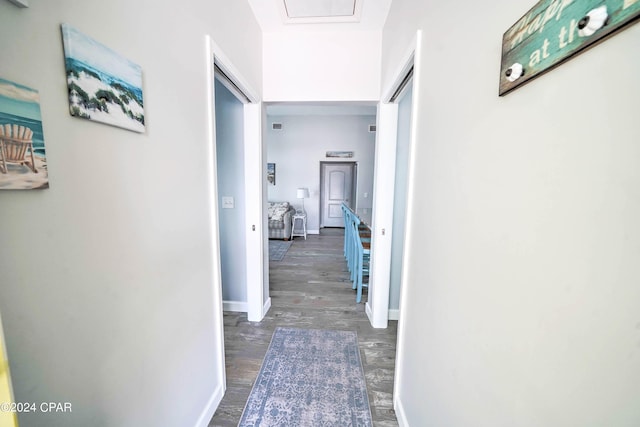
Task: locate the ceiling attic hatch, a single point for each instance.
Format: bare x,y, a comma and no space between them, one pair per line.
319,8
321,11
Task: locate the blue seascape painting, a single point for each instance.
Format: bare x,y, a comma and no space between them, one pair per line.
103,85
23,164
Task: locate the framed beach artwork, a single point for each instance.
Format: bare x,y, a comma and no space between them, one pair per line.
271,173
103,85
23,163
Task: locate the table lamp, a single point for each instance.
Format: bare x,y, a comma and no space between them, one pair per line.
303,193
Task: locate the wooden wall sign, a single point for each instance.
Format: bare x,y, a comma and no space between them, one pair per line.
553,31
341,154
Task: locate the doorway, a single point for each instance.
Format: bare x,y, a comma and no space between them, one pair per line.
398,234
378,305
229,116
337,186
238,189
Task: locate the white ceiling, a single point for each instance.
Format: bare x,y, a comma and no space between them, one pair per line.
367,15
320,15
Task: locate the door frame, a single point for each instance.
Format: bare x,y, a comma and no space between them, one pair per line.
412,58
254,196
354,186
377,307
258,300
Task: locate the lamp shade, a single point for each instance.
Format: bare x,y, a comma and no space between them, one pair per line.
303,193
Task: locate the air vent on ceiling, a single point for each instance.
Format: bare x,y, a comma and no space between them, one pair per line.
276,126
372,128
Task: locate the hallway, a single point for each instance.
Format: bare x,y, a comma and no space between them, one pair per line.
309,288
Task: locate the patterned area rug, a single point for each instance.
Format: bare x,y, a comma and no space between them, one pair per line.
309,377
278,249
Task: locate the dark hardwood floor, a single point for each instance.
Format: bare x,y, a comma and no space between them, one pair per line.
309,288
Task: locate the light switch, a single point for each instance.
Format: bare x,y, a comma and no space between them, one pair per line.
227,202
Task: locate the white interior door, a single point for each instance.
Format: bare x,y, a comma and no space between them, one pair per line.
337,187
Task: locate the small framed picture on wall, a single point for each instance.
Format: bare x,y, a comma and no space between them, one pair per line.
271,173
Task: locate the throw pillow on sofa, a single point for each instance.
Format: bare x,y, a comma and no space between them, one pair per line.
276,211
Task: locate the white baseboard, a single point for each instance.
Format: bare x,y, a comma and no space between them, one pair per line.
313,231
400,415
211,406
239,306
367,309
394,314
266,307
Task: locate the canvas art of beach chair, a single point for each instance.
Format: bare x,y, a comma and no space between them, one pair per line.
15,141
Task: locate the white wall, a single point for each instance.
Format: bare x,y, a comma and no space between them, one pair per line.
108,283
522,301
301,145
322,66
230,161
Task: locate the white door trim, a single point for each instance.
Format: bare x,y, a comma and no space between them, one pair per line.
415,57
257,293
377,307
225,64
254,197
216,273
